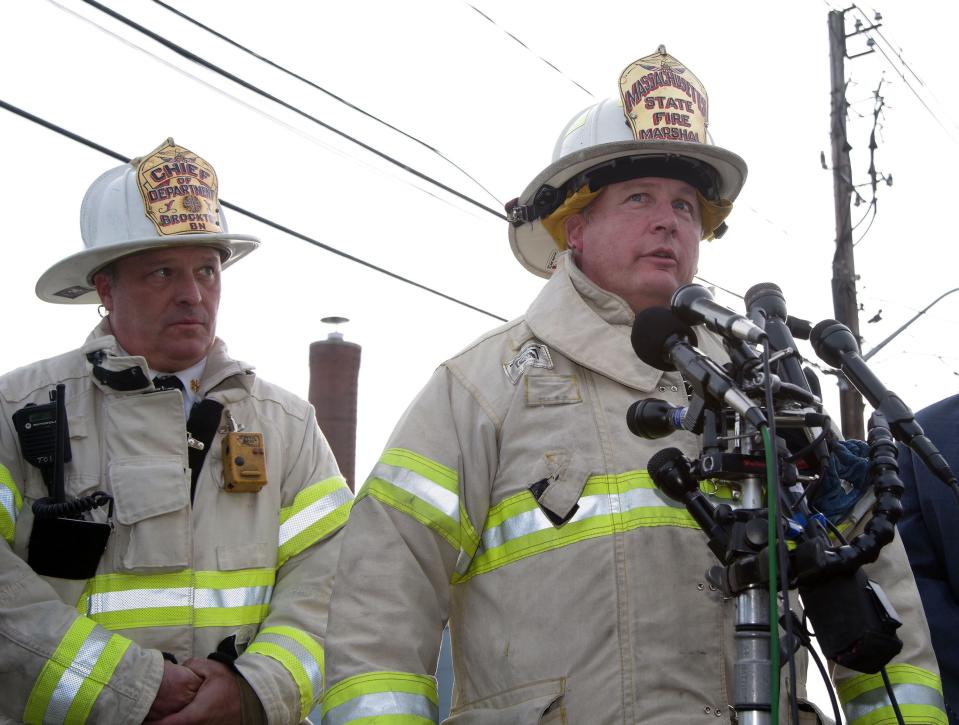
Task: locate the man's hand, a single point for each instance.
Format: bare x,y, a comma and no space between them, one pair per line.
177,689
217,700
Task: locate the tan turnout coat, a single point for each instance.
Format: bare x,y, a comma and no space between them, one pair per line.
175,577
607,618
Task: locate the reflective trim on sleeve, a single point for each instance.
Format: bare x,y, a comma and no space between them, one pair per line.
918,692
469,542
316,512
393,698
300,655
516,528
10,504
198,599
71,680
419,487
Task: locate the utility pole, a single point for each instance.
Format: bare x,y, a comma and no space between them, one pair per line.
845,305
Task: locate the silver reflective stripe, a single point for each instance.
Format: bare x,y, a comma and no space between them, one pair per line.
139,599
382,703
641,498
463,561
314,512
177,597
529,522
229,598
906,694
309,662
73,677
522,524
8,502
421,487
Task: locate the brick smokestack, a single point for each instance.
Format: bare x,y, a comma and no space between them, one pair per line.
334,373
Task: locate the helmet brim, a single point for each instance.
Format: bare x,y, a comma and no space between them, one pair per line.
70,281
536,249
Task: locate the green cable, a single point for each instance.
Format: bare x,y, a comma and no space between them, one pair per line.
772,492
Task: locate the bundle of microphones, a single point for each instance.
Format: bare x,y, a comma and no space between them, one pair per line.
664,339
770,407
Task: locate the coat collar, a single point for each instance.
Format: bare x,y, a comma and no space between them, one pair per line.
219,365
590,326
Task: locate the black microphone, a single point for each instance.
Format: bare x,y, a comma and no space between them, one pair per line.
766,306
837,346
653,418
672,474
694,305
665,342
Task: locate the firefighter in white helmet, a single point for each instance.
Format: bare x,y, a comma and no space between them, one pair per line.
511,500
170,521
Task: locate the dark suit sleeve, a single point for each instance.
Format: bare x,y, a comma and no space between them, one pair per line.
930,532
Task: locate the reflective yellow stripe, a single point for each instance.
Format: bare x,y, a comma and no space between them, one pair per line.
10,504
516,528
316,512
469,542
918,693
427,491
300,655
193,598
419,487
72,679
393,698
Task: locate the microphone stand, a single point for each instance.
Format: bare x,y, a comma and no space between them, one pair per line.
753,699
854,622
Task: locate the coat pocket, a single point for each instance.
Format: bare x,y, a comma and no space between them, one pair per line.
552,389
558,483
536,703
151,498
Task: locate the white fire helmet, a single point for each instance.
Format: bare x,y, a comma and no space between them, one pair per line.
168,198
657,127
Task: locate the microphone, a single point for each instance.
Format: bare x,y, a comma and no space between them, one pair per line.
653,418
694,305
766,305
665,342
672,474
837,346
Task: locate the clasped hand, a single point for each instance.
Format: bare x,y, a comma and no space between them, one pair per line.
198,691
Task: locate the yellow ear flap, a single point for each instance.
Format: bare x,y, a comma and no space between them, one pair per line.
713,214
555,223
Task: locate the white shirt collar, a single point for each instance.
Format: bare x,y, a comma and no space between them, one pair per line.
190,377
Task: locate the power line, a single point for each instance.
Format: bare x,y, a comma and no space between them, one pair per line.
207,64
201,61
720,287
892,65
394,174
189,55
328,92
902,60
529,50
251,214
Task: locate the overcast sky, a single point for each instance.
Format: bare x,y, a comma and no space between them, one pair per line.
455,79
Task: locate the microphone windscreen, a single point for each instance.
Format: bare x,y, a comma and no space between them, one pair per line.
768,297
830,339
662,458
651,329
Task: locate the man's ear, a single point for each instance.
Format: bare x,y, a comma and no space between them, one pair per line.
105,289
574,232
